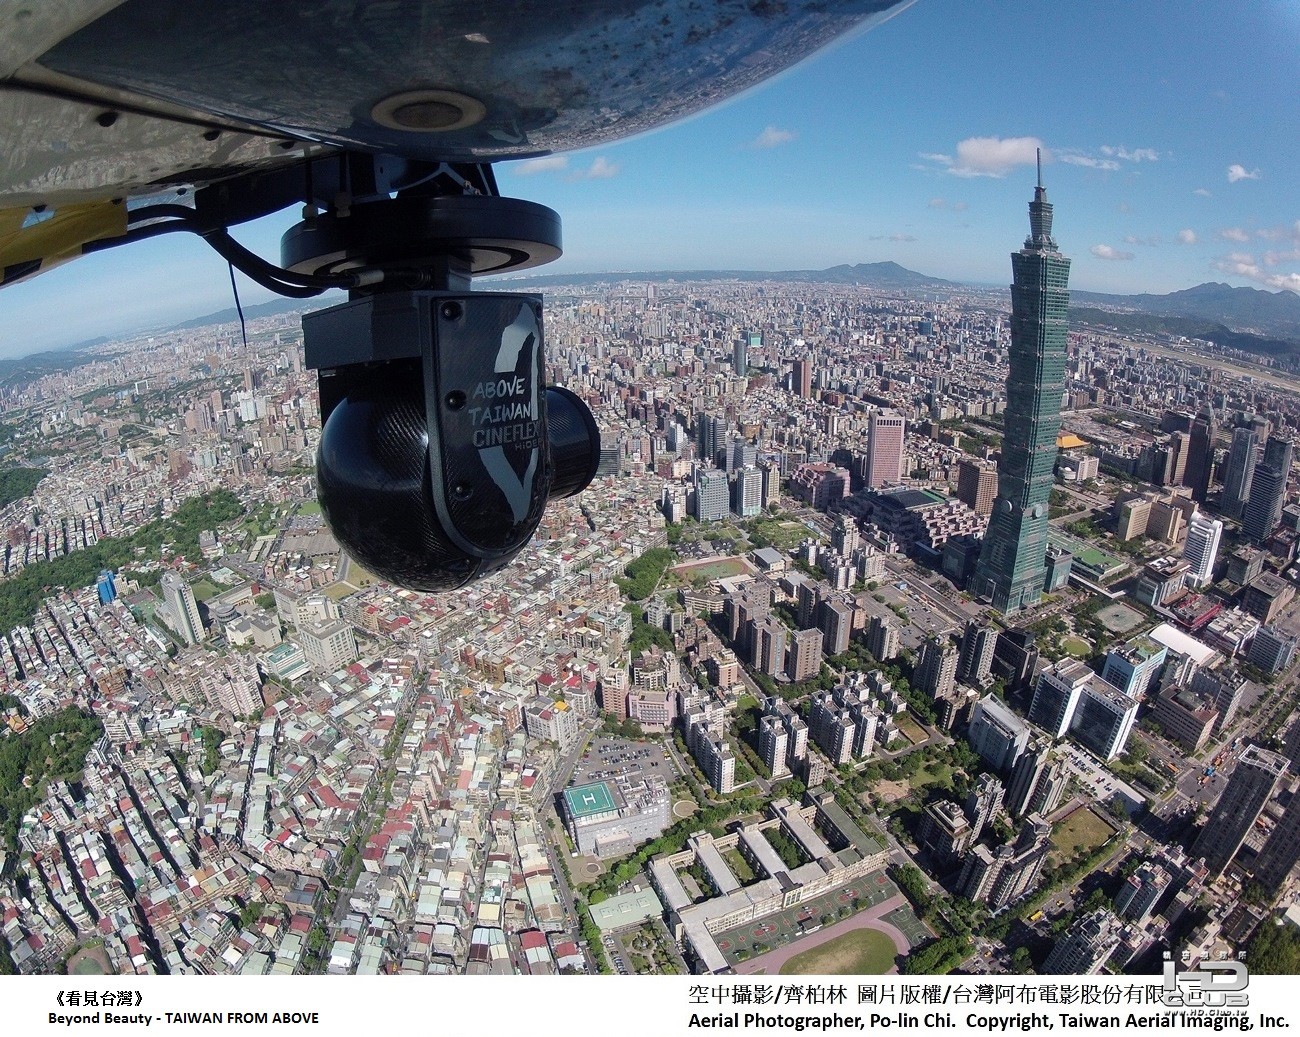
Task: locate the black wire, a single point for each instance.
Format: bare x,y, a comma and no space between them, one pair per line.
174,218
153,230
243,330
249,262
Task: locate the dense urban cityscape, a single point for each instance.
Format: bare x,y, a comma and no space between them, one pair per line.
899,630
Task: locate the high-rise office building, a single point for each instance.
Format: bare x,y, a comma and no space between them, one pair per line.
1012,566
886,460
1238,472
1103,719
1202,549
741,453
977,485
1056,695
748,493
740,357
1267,490
1271,650
801,377
183,608
1200,457
1177,450
1133,665
1280,854
712,495
1251,786
712,435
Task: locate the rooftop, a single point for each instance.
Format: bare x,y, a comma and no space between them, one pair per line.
586,800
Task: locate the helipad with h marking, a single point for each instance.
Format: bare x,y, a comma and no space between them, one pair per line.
587,800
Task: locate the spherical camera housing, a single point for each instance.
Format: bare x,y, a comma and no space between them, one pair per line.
440,444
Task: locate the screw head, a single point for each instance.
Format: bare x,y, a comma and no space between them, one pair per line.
462,491
452,310
455,399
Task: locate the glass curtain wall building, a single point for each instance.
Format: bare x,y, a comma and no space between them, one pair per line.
1012,565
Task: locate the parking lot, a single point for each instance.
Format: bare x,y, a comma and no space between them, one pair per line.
609,759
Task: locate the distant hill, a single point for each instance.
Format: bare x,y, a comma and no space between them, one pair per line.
1242,309
261,309
1189,327
16,372
871,275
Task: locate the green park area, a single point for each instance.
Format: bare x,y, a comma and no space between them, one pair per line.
912,731
864,952
203,590
1076,647
712,569
1078,835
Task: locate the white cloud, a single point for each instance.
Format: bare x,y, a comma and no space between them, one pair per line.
937,203
1291,233
901,237
1187,236
943,160
1106,252
1234,234
546,164
601,168
1073,158
994,156
1241,264
1203,192
1133,239
1237,172
771,137
1134,155
1273,258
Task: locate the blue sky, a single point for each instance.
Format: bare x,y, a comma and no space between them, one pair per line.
1171,132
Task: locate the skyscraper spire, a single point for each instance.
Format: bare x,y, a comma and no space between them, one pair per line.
1040,215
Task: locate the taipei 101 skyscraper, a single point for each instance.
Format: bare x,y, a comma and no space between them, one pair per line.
1012,565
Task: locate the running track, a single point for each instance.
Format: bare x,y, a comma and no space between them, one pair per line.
872,918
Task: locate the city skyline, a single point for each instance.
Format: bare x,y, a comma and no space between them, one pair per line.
829,165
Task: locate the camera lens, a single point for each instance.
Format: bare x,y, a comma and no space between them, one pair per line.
575,442
372,478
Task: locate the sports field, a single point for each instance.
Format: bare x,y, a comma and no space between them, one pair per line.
864,952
